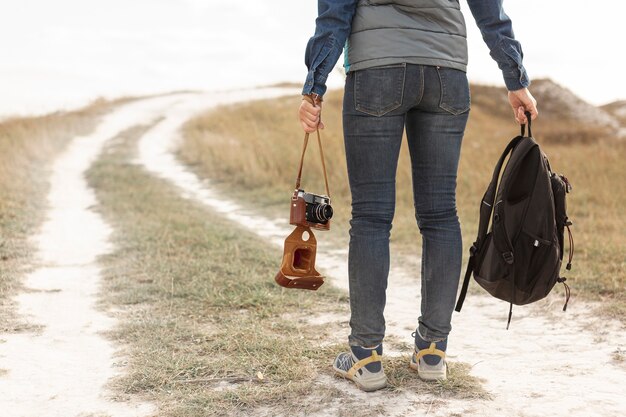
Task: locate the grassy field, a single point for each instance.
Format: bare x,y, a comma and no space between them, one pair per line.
29,145
252,151
209,332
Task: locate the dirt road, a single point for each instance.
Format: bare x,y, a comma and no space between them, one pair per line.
549,364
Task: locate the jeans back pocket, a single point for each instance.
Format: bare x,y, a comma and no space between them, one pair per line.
379,90
455,93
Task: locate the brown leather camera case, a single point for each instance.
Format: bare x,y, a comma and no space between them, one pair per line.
298,267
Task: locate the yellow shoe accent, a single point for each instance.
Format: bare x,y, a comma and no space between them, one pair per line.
431,350
352,371
426,372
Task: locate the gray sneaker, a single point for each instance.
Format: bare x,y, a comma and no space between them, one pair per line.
429,359
362,366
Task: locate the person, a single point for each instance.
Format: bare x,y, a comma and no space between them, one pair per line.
406,64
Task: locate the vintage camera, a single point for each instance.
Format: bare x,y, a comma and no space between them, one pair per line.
310,210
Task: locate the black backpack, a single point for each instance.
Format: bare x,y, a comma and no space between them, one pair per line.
519,259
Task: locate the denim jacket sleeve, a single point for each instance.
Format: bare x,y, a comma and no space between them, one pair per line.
332,28
497,31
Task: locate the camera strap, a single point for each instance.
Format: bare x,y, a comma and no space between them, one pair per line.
306,141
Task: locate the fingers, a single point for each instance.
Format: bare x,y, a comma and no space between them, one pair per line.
307,128
520,117
308,111
310,116
309,125
530,106
533,111
522,101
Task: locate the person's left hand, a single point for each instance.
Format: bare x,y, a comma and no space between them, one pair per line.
310,116
522,101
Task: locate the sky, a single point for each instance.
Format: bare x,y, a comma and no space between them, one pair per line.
62,54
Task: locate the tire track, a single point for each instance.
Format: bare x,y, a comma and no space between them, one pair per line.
63,369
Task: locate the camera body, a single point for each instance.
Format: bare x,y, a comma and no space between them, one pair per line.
310,210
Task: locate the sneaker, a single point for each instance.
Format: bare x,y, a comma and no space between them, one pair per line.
429,359
363,367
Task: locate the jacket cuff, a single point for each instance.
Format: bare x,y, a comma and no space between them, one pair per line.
313,86
514,83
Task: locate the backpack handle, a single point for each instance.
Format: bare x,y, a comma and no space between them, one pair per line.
523,126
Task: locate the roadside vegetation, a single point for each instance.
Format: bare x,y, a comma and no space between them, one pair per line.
253,150
208,331
29,146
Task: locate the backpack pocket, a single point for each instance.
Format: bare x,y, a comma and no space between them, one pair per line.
491,272
559,190
532,260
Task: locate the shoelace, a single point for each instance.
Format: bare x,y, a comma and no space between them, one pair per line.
345,362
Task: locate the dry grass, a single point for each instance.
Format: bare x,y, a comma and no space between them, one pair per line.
460,384
262,167
252,151
202,315
208,330
29,145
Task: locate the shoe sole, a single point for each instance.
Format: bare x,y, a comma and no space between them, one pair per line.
372,385
430,375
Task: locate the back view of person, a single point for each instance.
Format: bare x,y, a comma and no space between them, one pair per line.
406,63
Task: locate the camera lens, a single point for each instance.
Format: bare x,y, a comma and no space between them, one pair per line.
323,212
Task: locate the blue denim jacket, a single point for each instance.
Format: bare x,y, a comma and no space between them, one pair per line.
333,24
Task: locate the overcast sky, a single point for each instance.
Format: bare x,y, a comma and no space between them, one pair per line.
62,53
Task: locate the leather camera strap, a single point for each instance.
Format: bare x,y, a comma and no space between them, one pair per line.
299,178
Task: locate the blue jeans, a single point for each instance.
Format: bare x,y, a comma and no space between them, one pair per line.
432,103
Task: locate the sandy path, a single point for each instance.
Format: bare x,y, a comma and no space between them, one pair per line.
62,370
549,363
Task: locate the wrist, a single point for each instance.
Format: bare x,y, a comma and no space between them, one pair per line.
313,98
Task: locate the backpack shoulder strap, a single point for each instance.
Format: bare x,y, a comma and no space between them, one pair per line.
501,238
486,205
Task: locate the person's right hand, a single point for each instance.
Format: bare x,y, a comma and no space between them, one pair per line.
310,116
522,101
